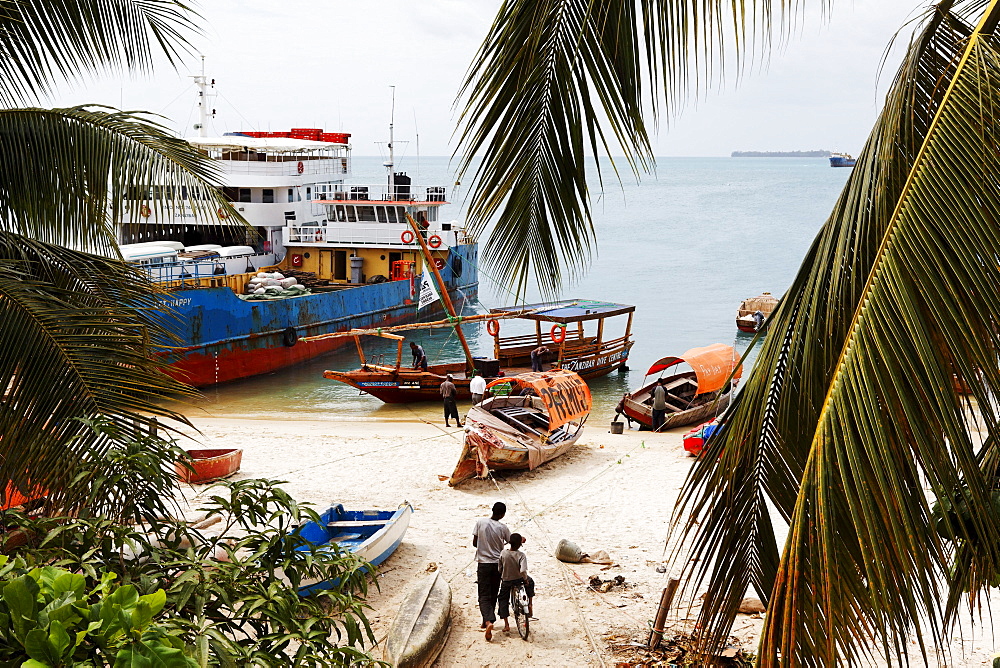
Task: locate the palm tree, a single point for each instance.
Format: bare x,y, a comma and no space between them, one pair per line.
854,430
77,329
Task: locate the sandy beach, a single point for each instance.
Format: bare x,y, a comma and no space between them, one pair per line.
611,492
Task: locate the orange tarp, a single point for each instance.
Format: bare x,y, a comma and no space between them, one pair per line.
565,395
712,365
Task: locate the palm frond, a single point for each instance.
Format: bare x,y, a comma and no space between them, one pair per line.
851,425
557,80
78,333
43,42
71,174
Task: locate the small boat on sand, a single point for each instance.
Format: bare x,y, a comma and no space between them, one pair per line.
210,465
694,440
692,396
422,624
372,535
746,316
531,418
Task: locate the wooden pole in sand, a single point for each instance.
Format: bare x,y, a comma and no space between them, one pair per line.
443,289
656,635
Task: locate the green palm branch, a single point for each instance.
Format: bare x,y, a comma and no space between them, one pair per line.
556,80
851,426
79,332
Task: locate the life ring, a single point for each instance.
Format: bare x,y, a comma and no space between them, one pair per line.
434,241
296,260
558,333
301,167
144,211
289,337
493,327
439,263
221,213
407,236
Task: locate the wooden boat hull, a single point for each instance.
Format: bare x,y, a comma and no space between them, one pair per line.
634,408
492,446
374,542
210,465
422,625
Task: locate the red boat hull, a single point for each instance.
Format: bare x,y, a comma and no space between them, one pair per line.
210,465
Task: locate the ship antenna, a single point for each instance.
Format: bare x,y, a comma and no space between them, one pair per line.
203,100
389,165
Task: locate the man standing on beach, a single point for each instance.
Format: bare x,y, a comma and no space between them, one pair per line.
478,388
659,404
448,394
489,538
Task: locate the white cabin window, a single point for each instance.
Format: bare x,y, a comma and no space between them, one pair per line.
366,214
291,194
244,194
351,217
309,193
341,215
268,196
380,214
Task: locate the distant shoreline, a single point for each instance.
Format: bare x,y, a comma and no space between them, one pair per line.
780,154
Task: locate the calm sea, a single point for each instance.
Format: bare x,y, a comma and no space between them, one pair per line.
685,246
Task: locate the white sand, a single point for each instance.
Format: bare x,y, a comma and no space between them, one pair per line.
612,492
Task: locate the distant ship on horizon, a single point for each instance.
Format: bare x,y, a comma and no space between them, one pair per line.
842,160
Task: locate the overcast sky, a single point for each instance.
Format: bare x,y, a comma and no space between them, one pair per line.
302,63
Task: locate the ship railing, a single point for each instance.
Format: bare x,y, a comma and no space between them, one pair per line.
184,272
417,194
309,166
372,234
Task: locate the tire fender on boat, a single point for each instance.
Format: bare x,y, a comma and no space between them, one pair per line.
289,337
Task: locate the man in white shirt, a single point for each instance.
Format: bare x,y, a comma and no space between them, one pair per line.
478,388
489,538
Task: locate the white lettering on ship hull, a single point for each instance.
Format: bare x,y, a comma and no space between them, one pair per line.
177,303
593,363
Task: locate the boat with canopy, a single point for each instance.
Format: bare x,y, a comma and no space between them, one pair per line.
530,419
692,396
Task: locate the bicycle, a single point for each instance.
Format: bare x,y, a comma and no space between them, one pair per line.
519,606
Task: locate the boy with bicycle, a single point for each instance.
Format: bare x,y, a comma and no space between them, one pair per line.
514,571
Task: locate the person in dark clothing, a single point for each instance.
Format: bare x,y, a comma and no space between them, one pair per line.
536,357
758,320
659,395
489,537
449,393
419,358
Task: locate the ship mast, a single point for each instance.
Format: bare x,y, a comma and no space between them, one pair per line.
390,163
204,86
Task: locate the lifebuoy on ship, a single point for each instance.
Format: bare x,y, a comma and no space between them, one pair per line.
434,241
289,337
144,211
301,167
493,327
296,260
407,236
558,333
221,213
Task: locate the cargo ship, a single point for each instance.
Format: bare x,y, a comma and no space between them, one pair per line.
842,160
352,239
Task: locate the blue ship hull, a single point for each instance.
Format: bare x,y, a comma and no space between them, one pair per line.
836,161
224,338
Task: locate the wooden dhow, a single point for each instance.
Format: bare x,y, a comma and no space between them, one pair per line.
530,419
692,396
745,314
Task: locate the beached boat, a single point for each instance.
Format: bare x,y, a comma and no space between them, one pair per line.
573,348
746,314
694,440
530,419
422,624
209,465
372,535
692,396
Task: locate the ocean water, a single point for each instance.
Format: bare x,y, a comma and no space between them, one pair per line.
685,246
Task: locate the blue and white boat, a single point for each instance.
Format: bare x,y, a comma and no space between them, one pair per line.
842,160
372,535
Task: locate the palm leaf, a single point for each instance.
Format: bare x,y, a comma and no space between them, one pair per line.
76,342
43,42
558,79
78,171
850,425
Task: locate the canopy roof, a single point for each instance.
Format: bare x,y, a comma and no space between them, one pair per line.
565,395
279,144
712,365
568,310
